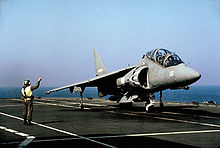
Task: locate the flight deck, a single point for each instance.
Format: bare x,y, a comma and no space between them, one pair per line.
60,122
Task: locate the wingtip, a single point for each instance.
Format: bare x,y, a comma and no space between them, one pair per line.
47,92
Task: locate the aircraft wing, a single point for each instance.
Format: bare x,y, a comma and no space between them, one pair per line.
77,87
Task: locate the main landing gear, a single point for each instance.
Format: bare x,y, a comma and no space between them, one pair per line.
149,105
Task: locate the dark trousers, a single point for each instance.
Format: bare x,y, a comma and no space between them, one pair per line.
28,110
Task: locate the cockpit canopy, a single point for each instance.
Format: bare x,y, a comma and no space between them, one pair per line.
164,57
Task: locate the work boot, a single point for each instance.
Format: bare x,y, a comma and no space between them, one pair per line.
25,121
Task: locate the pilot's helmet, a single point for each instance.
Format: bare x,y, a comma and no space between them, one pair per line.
27,82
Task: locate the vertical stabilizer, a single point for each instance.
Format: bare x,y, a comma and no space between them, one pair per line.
99,66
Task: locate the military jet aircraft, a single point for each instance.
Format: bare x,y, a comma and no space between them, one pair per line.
158,70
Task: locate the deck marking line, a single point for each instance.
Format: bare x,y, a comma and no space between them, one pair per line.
26,142
130,135
11,105
2,127
72,134
191,122
170,119
13,131
10,130
174,133
58,130
135,135
74,103
22,134
53,104
172,113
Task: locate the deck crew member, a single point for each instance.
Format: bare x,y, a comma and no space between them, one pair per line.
27,97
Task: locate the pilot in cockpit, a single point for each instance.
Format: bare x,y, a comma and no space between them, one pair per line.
164,57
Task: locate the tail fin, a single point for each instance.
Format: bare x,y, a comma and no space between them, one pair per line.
100,68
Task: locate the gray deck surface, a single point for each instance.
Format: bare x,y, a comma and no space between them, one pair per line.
59,122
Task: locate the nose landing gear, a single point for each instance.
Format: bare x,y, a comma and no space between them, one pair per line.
161,102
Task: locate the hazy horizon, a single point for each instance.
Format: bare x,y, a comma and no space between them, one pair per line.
55,39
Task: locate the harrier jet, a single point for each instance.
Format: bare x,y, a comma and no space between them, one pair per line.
158,70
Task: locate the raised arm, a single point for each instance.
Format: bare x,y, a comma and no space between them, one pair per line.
37,84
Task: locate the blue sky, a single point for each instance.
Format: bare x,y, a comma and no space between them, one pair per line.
55,39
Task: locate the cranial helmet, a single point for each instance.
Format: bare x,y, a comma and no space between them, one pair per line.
27,82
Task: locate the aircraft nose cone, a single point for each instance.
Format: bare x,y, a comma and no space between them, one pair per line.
187,74
195,75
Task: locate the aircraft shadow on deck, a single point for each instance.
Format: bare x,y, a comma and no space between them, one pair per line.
188,110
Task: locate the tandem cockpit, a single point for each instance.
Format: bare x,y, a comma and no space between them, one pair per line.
164,57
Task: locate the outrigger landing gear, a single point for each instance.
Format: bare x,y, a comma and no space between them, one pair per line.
81,101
